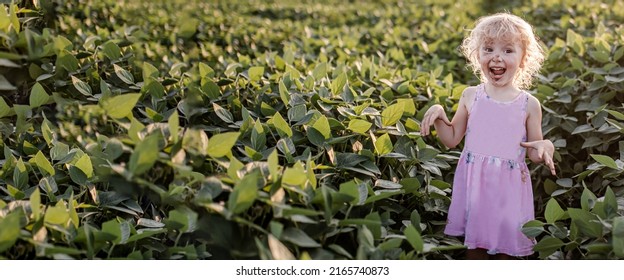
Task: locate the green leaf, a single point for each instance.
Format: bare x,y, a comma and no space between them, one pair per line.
116,229
588,199
20,174
5,84
392,114
618,236
605,160
295,176
382,195
48,185
35,204
273,165
284,93
245,193
222,113
185,217
322,125
355,190
299,238
144,222
592,141
77,175
221,144
84,164
5,110
57,214
616,114
414,238
359,126
195,141
81,86
73,215
553,211
320,70
283,128
149,71
255,73
415,220
9,228
205,71
211,89
383,145
547,246
174,126
533,228
67,61
610,203
145,154
338,84
409,108
38,96
315,137
47,132
123,74
111,50
121,106
44,165
586,222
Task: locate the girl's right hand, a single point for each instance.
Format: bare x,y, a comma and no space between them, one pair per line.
433,113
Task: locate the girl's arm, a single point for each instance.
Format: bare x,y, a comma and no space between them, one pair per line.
539,150
449,132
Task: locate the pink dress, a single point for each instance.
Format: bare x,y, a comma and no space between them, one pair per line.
492,192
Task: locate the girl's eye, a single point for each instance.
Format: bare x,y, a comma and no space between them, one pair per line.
488,49
508,51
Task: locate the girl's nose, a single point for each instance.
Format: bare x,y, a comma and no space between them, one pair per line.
497,58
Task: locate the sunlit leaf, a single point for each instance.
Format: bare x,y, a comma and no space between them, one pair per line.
383,145
283,128
392,114
322,125
4,107
245,193
605,160
414,238
123,74
121,106
338,83
38,96
81,86
9,229
553,211
255,73
221,144
359,126
44,165
145,154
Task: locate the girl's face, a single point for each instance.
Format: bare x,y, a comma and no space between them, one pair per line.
500,61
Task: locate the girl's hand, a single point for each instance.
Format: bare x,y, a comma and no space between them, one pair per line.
433,113
545,150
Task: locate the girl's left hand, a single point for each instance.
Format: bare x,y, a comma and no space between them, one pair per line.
545,150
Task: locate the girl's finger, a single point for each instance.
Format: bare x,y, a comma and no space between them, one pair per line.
550,163
540,152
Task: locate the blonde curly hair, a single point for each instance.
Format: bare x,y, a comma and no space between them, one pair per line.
507,27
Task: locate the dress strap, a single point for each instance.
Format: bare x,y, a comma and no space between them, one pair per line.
480,92
525,106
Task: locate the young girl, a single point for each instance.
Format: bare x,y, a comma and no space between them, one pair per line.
492,192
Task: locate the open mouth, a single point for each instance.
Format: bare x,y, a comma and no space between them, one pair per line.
497,70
